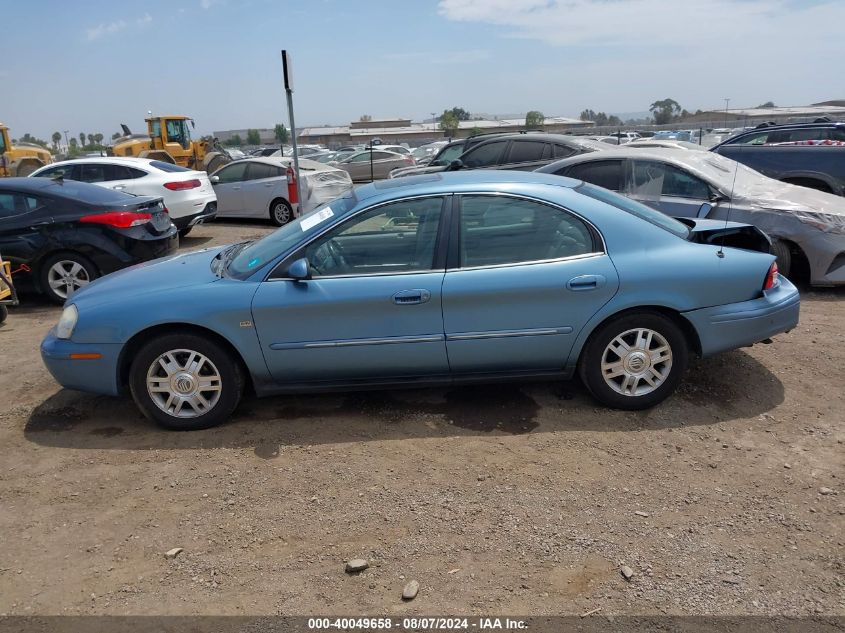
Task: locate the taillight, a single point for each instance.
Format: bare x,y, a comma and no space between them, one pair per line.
118,219
293,197
182,185
410,159
771,277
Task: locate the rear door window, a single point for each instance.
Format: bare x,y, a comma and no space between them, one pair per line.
660,179
259,171
14,204
525,152
92,172
603,173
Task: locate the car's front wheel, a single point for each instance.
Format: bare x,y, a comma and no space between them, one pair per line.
280,212
634,361
185,382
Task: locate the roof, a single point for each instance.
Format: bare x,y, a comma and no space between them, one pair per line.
120,160
445,181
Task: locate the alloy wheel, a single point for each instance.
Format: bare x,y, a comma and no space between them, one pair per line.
66,277
184,383
636,362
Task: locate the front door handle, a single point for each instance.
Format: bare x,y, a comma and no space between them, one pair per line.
586,282
411,297
119,187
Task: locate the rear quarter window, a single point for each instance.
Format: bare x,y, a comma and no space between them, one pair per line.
170,167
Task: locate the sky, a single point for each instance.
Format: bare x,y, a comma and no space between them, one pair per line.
89,65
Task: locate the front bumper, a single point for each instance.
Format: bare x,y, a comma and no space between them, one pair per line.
208,213
97,375
734,325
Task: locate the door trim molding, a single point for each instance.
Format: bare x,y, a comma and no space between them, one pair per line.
473,336
358,342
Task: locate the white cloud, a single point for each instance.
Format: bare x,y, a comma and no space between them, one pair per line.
653,22
144,21
100,30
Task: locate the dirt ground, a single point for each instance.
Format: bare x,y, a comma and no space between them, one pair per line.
518,499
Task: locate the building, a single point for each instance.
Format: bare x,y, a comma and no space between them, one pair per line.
268,136
754,116
398,130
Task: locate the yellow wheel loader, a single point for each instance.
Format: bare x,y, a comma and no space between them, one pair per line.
168,139
21,159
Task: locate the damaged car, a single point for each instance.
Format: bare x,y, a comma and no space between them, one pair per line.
806,226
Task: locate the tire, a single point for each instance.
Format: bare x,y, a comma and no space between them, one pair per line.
215,163
169,407
184,232
280,212
650,385
780,249
4,313
72,268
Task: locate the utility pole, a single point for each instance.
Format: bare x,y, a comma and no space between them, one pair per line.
287,69
727,101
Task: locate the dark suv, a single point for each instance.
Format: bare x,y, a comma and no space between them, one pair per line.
807,154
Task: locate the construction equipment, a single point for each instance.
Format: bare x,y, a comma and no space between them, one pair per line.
21,159
8,296
168,139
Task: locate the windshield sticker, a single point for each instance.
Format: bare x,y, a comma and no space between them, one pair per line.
313,220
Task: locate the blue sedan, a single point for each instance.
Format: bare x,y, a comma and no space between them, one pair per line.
428,280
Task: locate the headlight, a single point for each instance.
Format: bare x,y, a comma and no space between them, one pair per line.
68,321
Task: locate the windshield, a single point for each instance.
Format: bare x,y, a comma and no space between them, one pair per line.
635,208
257,254
450,153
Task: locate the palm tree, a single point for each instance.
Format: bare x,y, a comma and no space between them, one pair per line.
56,140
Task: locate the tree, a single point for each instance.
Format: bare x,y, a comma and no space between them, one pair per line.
90,139
366,118
98,139
664,111
82,138
253,138
587,115
768,104
534,119
459,113
116,136
73,143
476,131
281,133
29,138
449,123
57,138
234,141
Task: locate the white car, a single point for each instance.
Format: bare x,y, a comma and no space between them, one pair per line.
188,194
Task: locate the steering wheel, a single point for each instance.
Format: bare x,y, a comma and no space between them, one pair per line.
328,259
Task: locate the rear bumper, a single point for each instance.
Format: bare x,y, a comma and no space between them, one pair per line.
725,327
207,213
133,251
97,375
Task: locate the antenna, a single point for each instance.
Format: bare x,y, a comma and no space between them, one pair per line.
721,252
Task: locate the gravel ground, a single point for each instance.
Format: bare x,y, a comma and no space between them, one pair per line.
512,499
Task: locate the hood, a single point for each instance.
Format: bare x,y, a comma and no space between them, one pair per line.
825,211
155,276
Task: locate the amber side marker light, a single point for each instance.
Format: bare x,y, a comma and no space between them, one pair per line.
85,356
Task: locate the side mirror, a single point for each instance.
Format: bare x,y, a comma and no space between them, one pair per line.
214,179
455,165
300,270
704,210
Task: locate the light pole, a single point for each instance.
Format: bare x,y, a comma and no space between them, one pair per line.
727,101
433,121
67,143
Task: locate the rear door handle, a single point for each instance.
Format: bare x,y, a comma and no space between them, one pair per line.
411,297
586,282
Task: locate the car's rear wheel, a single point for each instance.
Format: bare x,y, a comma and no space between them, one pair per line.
634,361
780,249
63,274
4,313
184,232
185,382
280,212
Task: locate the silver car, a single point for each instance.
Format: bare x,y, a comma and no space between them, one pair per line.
360,170
259,188
803,224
